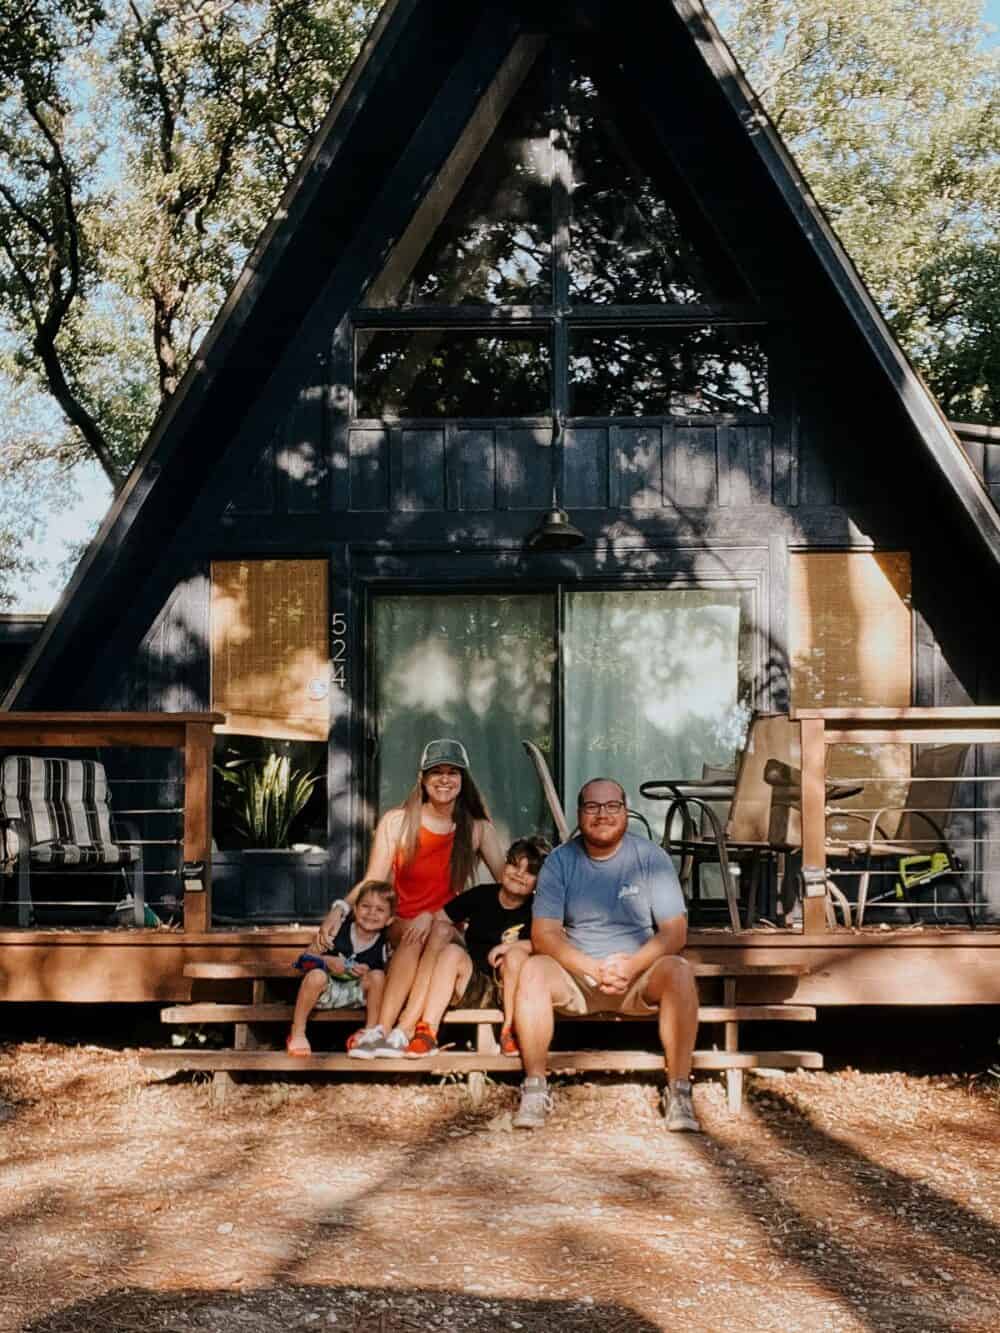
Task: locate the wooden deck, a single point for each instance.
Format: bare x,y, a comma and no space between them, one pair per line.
919,966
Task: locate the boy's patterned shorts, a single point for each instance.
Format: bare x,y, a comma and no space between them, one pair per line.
341,993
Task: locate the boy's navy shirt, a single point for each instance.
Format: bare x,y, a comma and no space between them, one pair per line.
374,956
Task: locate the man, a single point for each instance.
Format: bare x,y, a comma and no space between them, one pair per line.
609,925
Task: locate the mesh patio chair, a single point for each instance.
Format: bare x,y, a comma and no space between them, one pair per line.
56,818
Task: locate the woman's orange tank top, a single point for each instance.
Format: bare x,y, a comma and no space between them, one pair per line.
425,884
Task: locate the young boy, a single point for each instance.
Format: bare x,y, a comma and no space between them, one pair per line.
352,971
484,973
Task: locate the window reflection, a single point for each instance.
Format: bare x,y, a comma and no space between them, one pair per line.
479,667
445,373
627,241
667,372
494,246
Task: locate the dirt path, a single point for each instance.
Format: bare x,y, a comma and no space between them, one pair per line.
836,1202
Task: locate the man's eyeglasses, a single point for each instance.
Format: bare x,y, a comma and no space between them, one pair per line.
595,807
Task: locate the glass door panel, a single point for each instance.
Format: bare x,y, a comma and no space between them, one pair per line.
479,667
656,685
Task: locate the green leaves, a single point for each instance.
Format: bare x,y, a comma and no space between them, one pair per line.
893,113
264,797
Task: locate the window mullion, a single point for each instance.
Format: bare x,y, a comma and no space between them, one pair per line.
561,205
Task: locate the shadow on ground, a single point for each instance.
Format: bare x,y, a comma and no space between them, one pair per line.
346,1309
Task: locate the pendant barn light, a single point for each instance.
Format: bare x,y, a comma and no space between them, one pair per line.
555,532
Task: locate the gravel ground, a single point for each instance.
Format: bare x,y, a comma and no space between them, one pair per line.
837,1201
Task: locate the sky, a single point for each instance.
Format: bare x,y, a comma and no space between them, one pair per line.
69,527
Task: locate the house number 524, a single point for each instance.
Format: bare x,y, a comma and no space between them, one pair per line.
338,649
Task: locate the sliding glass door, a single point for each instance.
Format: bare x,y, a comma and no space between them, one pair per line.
651,687
634,684
472,665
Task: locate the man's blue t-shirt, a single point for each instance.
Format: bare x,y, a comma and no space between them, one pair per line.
611,906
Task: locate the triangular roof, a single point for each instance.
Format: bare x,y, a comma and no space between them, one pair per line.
423,61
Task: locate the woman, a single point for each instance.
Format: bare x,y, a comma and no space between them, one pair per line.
428,847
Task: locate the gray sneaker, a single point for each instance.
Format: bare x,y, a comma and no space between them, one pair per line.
362,1047
536,1103
678,1108
391,1047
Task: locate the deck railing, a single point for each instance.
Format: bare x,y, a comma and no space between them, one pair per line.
825,727
190,733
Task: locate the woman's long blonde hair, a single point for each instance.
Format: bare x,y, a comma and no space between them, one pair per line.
469,808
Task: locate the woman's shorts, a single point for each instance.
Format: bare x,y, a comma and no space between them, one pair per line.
482,991
341,993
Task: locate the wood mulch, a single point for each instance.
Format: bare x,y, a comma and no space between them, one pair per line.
838,1201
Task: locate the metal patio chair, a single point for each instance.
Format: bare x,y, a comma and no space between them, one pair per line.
548,786
56,818
764,823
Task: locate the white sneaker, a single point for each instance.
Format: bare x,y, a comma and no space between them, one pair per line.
536,1103
363,1047
391,1047
679,1109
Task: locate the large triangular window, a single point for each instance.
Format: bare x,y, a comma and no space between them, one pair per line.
558,266
631,238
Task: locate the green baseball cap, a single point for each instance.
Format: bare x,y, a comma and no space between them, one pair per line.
444,751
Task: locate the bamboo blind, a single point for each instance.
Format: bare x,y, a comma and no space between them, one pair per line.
270,656
850,633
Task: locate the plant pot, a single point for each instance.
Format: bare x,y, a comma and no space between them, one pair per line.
262,886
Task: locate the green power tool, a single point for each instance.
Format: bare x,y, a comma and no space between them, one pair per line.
924,868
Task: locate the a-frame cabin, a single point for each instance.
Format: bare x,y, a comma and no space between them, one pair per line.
540,256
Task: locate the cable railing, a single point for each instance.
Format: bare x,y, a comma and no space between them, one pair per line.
68,847
925,852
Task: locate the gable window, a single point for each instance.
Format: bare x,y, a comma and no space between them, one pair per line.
559,267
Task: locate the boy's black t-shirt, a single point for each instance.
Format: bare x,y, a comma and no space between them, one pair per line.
489,922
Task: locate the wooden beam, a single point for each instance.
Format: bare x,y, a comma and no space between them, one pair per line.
561,1061
729,1013
929,966
243,969
198,825
813,827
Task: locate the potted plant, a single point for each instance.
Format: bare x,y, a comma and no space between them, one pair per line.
264,876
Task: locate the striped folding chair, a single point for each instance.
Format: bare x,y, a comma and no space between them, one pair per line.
56,816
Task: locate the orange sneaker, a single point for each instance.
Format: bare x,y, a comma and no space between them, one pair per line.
423,1042
508,1043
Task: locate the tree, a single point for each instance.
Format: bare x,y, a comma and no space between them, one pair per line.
143,146
892,110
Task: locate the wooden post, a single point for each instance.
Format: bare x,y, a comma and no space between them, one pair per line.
486,1044
198,823
814,919
734,1077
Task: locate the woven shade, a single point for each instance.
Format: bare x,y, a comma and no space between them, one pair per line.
851,646
270,660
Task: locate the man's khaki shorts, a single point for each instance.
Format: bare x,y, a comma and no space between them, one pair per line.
586,998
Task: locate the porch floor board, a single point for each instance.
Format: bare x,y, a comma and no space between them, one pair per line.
173,1061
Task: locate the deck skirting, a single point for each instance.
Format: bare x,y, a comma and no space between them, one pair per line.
933,966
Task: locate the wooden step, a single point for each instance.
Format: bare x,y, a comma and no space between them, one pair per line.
282,1013
172,1061
257,970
